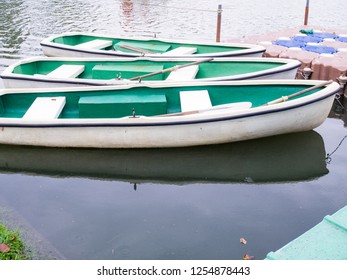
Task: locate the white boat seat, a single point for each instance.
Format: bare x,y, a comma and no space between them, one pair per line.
97,44
45,108
66,71
195,100
183,74
180,51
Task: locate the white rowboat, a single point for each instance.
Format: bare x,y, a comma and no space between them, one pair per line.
174,115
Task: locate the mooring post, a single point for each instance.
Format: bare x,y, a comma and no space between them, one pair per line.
219,22
307,8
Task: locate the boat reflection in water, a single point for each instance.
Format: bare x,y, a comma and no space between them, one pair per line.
278,159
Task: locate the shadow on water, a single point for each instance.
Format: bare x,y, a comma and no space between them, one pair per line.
292,157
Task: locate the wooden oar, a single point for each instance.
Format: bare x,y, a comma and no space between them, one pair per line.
170,69
235,106
136,49
285,98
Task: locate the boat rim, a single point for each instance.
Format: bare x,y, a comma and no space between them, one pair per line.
288,64
146,39
129,121
249,48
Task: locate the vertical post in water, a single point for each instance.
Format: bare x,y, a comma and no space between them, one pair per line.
307,8
219,22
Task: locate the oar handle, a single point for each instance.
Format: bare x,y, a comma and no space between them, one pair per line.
171,69
279,100
194,63
235,106
285,98
310,88
136,49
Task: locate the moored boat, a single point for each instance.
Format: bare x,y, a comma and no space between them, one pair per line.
53,72
171,115
79,44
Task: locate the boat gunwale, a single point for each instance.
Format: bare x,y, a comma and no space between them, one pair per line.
249,48
288,65
119,54
147,39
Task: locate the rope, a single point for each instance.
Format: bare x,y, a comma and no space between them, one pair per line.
328,157
337,99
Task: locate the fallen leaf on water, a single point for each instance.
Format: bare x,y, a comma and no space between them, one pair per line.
248,257
243,241
4,248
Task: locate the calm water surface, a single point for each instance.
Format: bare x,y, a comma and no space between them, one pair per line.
191,203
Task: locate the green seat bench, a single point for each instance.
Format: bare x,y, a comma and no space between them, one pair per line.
107,71
153,47
122,105
97,44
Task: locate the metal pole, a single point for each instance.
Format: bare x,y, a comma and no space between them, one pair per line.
307,8
219,22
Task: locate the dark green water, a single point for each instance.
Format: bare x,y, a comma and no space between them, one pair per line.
191,203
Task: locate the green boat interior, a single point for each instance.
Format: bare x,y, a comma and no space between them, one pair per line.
133,46
107,70
136,101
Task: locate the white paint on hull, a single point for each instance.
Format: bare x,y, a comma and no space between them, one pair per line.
174,135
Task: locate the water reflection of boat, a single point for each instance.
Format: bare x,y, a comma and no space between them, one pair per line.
285,158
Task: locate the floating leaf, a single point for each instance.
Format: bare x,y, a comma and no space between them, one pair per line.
243,241
4,248
248,257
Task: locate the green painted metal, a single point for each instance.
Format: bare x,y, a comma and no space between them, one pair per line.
325,241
